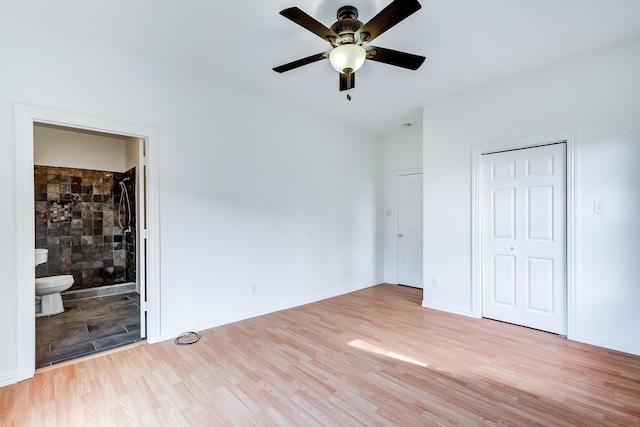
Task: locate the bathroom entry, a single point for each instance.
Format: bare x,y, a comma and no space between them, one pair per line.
90,199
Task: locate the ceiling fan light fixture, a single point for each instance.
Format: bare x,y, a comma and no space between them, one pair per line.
347,56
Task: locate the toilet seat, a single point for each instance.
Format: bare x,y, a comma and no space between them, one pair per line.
52,281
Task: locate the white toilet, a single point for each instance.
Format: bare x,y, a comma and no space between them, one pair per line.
48,298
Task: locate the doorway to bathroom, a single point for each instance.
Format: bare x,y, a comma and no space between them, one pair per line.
88,188
94,232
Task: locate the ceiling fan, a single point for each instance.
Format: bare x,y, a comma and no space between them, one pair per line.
347,36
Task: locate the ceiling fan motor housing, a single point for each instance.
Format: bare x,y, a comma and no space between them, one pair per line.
346,25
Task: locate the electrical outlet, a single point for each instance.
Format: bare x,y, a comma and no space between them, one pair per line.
434,283
598,207
344,272
254,288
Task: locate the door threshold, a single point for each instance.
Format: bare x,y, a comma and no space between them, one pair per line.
91,356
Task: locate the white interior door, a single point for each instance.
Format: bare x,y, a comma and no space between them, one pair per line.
524,237
410,230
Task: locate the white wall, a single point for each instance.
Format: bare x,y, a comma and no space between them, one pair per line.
598,97
131,156
251,191
76,149
402,152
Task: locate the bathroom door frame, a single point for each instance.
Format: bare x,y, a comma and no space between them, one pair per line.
25,118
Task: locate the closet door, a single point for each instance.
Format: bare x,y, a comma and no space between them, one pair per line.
524,237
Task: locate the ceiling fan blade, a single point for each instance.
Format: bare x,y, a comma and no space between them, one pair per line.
396,11
394,57
300,62
309,23
347,81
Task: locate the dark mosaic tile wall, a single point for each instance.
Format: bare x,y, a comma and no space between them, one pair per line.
77,221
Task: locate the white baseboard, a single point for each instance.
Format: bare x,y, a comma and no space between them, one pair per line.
172,333
583,338
609,344
448,308
8,378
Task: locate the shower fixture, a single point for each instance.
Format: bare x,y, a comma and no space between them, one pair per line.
124,203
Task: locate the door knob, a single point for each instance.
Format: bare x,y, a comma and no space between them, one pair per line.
400,235
513,248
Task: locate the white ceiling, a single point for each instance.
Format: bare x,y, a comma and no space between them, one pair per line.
467,43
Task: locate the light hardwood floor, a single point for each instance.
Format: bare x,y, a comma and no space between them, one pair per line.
372,357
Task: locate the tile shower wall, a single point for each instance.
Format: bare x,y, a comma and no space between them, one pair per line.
129,223
77,221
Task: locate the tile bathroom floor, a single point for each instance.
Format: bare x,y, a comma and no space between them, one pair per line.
88,326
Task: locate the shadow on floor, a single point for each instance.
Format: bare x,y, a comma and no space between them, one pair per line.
88,326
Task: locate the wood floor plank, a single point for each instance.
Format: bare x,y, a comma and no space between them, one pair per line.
373,357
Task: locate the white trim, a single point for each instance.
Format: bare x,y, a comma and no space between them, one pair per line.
141,188
568,137
8,378
25,245
610,344
446,308
572,238
25,117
